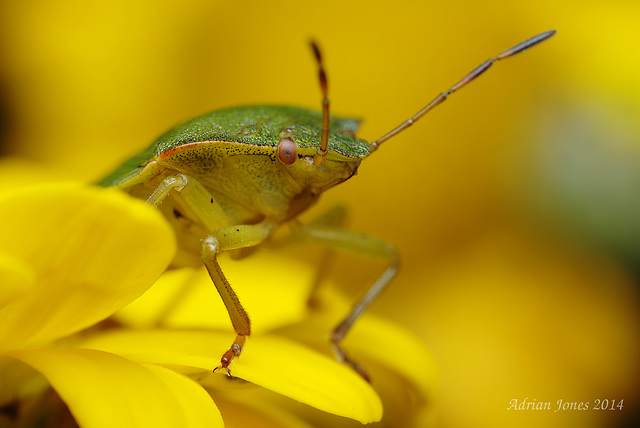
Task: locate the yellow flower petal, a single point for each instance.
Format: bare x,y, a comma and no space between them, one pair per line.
16,277
401,367
310,377
92,251
24,172
187,298
104,390
269,361
18,380
197,405
404,354
248,407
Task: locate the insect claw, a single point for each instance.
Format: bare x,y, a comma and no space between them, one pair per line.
227,357
223,367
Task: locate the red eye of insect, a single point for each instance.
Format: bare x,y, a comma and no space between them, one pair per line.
287,151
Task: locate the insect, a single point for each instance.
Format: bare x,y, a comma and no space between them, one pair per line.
228,179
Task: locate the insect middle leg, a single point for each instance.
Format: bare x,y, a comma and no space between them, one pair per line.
343,239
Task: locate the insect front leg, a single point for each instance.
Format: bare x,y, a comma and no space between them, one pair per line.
222,238
231,238
343,239
195,195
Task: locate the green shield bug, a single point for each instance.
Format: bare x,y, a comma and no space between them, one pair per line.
228,179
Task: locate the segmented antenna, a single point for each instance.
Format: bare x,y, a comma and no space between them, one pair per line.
465,80
322,77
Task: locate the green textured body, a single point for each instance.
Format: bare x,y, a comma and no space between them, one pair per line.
261,126
233,154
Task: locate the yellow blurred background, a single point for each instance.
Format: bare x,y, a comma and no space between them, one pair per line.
514,205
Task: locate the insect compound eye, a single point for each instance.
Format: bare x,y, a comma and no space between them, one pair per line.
287,151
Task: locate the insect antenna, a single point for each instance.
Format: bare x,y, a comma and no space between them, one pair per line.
322,77
476,72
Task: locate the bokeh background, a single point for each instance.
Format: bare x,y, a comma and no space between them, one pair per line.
515,205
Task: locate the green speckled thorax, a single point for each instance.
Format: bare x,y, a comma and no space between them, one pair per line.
260,126
265,126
